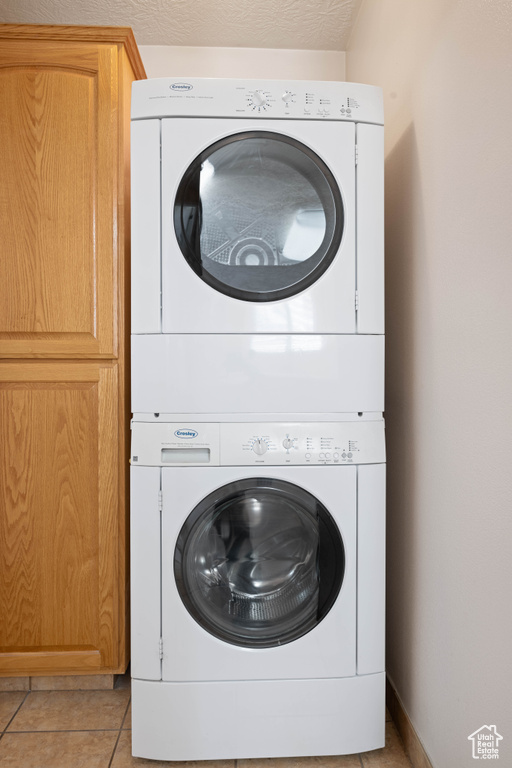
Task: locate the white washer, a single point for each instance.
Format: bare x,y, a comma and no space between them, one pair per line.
257,588
257,227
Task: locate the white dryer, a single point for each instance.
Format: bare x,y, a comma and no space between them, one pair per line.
257,211
257,588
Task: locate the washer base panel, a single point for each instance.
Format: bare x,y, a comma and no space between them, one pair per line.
263,718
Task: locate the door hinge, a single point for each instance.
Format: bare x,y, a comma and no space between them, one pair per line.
160,501
161,648
356,154
357,300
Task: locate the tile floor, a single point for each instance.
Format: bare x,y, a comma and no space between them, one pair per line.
92,729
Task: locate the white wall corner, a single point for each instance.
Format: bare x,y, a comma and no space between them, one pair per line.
249,63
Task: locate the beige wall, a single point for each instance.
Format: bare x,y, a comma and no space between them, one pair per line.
446,71
186,61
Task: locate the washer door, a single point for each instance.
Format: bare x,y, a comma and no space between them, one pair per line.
258,216
259,562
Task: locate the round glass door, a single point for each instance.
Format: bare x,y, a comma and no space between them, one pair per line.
258,216
259,562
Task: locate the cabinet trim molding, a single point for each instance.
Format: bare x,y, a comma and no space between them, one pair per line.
118,35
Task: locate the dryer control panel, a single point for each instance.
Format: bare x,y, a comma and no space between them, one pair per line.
270,99
254,443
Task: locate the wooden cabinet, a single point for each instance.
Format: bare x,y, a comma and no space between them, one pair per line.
59,532
64,407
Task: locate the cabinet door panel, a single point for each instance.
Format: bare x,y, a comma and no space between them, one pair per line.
59,532
58,132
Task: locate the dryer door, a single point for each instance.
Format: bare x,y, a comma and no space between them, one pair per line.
259,562
258,216
258,227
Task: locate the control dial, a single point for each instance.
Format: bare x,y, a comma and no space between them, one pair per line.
287,443
258,100
288,97
259,447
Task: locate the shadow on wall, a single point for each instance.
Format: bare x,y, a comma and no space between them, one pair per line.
406,273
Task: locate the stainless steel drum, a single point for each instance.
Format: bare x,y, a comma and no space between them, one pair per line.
259,562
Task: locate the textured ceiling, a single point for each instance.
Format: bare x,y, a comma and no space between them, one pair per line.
303,24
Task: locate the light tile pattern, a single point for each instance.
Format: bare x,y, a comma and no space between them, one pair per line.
72,683
9,704
89,749
91,729
14,683
71,711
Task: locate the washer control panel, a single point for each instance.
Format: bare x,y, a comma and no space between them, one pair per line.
255,443
302,443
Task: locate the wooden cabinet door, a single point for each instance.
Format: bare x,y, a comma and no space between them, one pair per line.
62,538
58,198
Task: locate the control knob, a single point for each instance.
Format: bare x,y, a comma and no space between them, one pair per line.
259,447
287,443
259,99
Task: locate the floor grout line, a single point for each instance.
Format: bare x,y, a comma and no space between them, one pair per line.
119,734
17,710
114,750
125,713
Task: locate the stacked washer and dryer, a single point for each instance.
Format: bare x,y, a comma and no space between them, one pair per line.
258,459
